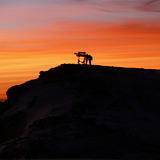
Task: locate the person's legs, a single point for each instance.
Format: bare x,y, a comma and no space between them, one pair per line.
86,60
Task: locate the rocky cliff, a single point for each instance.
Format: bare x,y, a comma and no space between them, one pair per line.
79,111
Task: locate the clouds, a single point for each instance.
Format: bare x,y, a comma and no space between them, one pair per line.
150,6
99,19
151,2
127,5
56,33
61,16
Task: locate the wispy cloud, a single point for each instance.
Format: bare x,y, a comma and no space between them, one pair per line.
150,2
126,5
149,6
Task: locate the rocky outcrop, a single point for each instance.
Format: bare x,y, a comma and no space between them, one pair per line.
15,91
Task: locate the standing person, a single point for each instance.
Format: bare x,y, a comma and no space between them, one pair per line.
90,58
86,58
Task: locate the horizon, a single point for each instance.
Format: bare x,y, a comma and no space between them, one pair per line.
41,34
4,99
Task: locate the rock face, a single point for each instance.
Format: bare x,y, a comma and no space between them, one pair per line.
79,111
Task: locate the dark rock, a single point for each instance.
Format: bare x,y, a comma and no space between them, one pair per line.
15,91
81,111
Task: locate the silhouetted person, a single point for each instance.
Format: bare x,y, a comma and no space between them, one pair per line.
90,58
86,58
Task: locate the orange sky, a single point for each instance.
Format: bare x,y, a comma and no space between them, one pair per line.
37,35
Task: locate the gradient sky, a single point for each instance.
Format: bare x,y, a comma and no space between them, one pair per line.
37,35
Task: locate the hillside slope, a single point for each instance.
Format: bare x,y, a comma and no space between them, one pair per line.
79,111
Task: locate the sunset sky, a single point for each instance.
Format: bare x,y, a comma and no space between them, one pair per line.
37,35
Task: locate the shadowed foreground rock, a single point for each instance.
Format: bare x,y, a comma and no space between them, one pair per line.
79,111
